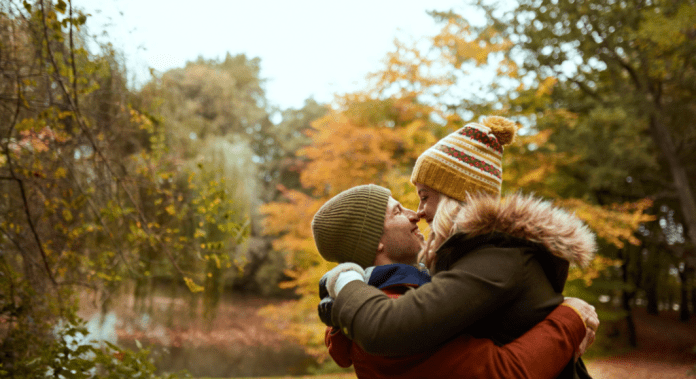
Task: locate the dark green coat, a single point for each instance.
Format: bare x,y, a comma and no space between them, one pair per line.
501,275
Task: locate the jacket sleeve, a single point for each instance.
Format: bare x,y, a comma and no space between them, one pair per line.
424,318
339,347
542,352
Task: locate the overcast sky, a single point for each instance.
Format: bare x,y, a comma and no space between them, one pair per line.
307,47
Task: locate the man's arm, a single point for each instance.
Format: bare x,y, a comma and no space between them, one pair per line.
543,351
540,353
425,318
339,347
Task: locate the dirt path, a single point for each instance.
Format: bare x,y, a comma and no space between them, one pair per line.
665,350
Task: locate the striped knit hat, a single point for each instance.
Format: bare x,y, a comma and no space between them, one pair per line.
468,160
348,227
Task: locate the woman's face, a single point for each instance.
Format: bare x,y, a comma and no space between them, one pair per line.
429,198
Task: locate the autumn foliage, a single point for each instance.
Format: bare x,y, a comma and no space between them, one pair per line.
375,137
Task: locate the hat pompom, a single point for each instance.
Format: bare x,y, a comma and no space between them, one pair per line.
503,129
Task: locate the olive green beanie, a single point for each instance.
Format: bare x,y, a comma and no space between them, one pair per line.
348,227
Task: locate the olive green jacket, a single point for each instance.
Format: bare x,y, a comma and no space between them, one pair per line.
499,276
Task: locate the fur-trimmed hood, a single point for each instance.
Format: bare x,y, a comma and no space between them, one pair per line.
526,217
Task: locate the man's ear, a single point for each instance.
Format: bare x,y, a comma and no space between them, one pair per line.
380,247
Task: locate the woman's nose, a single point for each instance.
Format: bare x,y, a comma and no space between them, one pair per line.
420,213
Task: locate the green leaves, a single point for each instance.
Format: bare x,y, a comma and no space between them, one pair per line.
61,6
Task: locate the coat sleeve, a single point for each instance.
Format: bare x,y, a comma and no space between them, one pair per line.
424,318
542,352
339,347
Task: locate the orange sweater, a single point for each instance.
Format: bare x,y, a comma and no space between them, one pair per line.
541,353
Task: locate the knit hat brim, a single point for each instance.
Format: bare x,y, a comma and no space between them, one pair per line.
348,227
454,181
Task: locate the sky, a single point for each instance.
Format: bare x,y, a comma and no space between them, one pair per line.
308,48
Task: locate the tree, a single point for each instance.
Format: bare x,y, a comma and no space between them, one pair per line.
420,96
632,58
90,196
618,78
212,108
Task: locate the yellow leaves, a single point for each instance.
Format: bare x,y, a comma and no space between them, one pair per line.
67,215
199,234
139,119
615,223
60,173
409,71
536,175
459,45
192,286
598,265
546,86
345,154
417,137
170,209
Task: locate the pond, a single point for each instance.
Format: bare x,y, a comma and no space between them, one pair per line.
236,344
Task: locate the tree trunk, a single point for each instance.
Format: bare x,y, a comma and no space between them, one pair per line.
693,298
684,314
652,298
626,296
664,142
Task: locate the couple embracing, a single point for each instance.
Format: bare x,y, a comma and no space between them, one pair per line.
481,299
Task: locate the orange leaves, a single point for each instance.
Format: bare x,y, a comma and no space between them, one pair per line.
546,86
598,265
410,71
345,155
459,45
615,223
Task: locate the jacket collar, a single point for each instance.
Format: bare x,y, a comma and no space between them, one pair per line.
528,218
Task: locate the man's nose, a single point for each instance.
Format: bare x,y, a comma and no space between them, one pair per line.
421,213
413,216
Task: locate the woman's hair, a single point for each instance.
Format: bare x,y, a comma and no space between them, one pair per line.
443,225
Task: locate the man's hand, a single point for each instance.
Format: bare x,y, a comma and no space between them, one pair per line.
589,316
324,310
326,303
331,283
334,280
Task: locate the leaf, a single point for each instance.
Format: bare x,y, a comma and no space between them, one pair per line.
60,173
193,287
67,215
61,6
170,209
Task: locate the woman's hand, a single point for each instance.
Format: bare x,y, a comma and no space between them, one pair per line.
589,316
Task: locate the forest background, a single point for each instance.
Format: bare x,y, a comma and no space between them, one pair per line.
185,189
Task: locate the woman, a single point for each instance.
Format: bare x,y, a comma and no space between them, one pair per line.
498,267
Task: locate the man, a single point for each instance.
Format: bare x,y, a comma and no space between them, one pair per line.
365,225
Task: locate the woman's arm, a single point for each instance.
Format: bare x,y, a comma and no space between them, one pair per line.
423,319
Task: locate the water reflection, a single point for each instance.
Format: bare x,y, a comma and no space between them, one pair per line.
233,361
172,354
102,328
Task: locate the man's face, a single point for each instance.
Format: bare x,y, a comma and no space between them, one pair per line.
429,198
401,239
